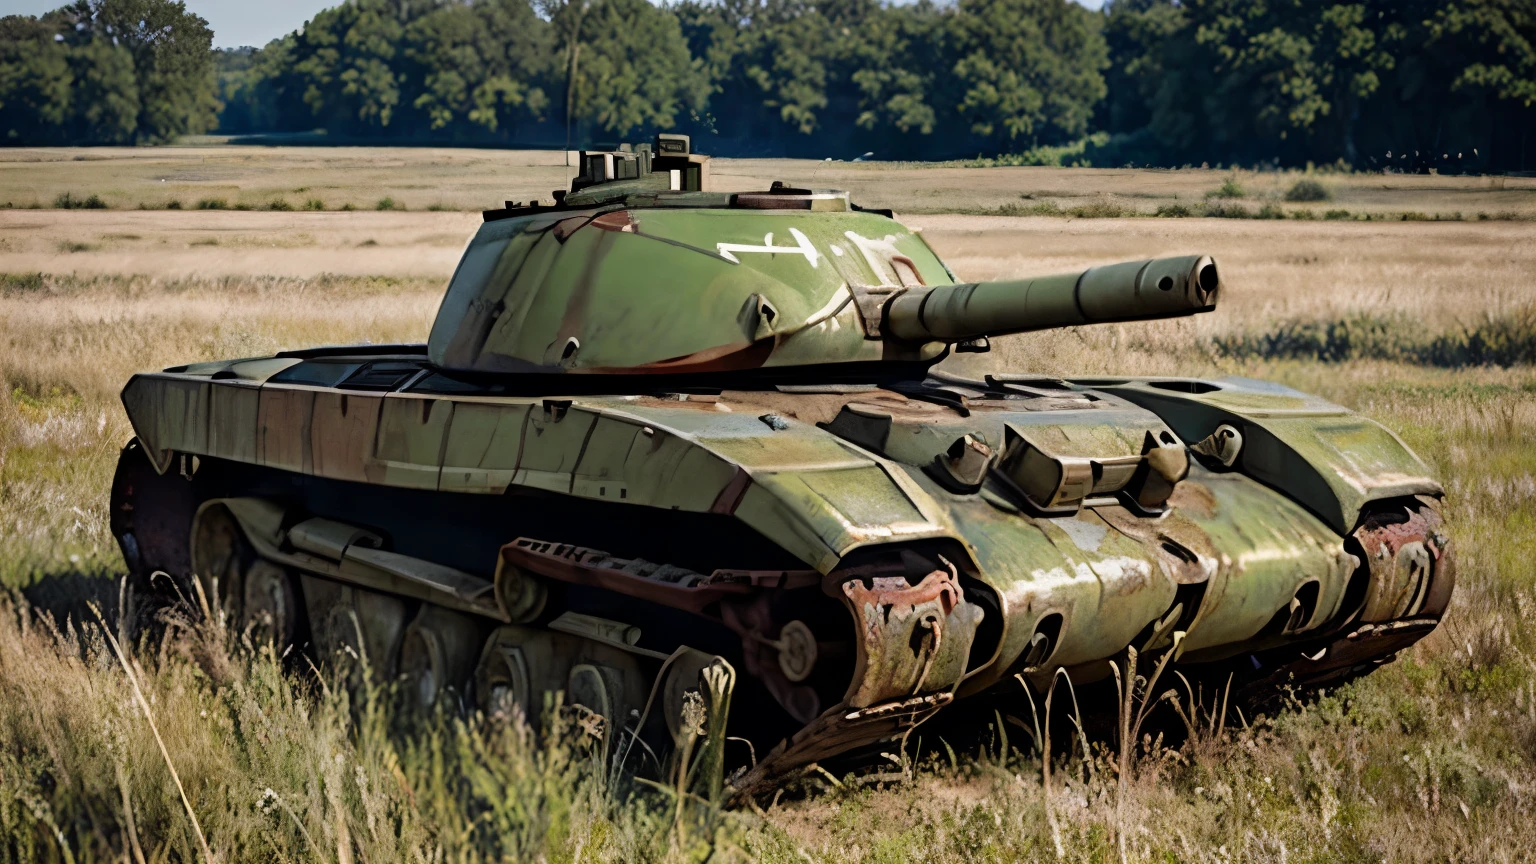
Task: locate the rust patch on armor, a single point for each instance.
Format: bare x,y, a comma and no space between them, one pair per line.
1411,569
1195,497
617,220
909,635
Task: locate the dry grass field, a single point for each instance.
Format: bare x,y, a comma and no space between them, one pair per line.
461,179
1430,759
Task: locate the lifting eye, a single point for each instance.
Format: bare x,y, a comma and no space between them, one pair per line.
906,271
572,345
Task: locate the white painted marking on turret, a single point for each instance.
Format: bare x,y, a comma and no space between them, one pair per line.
839,298
877,254
803,247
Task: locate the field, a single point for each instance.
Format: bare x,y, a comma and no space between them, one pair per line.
1429,327
366,178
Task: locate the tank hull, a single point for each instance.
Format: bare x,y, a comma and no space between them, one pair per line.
862,557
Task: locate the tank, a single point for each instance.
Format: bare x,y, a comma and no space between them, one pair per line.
669,448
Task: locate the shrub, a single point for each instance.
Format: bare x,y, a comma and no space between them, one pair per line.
314,204
1271,210
1307,189
1414,216
22,283
66,201
1098,210
1230,188
1067,155
1337,214
279,204
213,204
173,204
387,203
1227,211
1011,208
1506,340
1174,211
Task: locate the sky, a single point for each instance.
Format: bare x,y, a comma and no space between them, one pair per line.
245,22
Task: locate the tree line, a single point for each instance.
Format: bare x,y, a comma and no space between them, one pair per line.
1402,84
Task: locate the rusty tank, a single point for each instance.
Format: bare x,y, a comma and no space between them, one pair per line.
663,438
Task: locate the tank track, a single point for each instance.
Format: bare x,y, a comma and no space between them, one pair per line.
873,650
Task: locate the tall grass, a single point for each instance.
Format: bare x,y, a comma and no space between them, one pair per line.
200,734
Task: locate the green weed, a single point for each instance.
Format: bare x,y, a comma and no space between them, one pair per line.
1229,188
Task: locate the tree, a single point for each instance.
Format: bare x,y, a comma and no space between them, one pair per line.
1136,34
171,53
36,83
1477,58
1027,72
813,76
635,75
1303,67
343,59
477,67
893,62
765,62
106,93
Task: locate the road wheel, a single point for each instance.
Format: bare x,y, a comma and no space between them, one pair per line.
437,655
255,597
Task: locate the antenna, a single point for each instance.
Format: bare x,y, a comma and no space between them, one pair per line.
824,163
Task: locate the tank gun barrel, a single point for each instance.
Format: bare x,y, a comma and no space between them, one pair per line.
1130,291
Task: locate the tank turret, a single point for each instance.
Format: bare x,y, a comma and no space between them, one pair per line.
642,269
